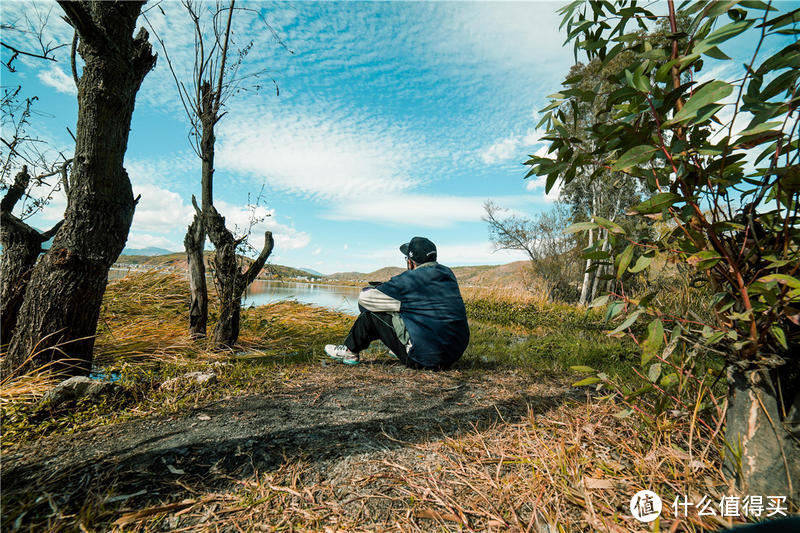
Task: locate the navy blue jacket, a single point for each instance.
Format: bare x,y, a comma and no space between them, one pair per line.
433,312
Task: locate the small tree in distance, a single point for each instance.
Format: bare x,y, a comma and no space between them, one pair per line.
551,253
719,162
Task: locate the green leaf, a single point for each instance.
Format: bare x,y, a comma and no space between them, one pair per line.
600,300
625,413
716,53
628,322
653,341
641,263
634,156
613,227
597,254
580,226
704,260
669,380
655,372
613,310
721,35
756,4
582,368
781,278
655,204
779,335
639,392
551,180
788,18
587,381
706,95
760,128
624,260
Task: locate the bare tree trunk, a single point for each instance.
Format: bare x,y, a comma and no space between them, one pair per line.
195,239
231,281
22,245
194,242
601,269
761,454
58,317
587,276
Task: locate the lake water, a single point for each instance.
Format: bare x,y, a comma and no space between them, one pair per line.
344,299
261,292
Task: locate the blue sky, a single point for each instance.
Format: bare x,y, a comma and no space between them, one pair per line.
393,120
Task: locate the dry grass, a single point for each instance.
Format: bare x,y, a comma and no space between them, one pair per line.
573,468
514,295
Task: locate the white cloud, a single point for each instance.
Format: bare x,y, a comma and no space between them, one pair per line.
159,210
146,240
57,79
424,210
320,157
501,150
317,251
420,209
511,147
537,184
238,219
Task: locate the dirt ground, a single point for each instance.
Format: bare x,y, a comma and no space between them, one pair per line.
338,421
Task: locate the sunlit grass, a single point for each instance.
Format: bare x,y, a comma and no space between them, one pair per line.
567,467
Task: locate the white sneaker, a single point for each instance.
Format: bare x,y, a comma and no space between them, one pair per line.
342,353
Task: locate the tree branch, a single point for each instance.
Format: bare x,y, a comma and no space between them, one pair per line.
258,264
72,52
222,59
18,52
16,190
78,18
47,235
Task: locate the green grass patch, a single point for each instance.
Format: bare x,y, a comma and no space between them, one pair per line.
543,338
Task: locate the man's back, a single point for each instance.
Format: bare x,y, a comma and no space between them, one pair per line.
433,312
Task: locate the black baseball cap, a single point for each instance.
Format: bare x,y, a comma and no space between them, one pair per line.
420,250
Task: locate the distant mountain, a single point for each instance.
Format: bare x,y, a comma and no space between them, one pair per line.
177,260
149,251
312,272
510,275
382,274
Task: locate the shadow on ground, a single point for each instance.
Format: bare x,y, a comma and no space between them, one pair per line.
372,408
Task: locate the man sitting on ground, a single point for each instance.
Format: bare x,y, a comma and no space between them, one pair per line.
419,314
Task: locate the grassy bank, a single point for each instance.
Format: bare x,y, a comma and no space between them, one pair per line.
552,458
142,339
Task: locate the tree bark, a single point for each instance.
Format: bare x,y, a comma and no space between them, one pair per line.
194,243
58,316
761,455
195,239
230,280
600,269
587,275
22,245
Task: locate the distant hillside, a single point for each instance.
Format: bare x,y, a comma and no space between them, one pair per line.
511,275
313,272
149,251
382,274
178,260
514,275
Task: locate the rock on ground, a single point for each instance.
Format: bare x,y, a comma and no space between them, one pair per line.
75,388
